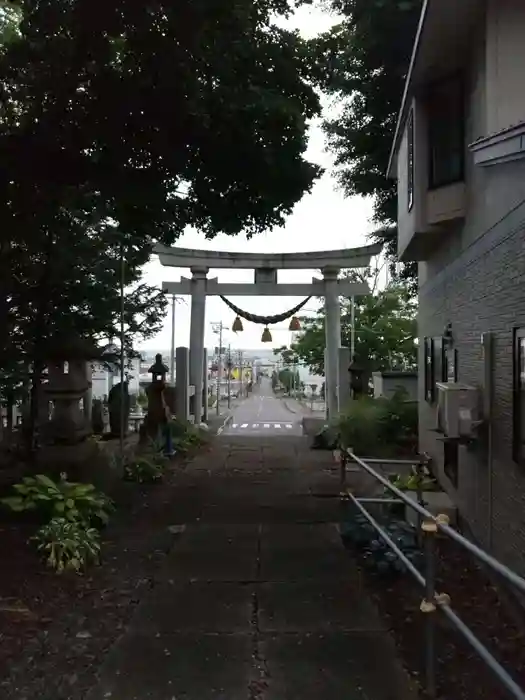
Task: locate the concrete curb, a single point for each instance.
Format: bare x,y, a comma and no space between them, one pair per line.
225,424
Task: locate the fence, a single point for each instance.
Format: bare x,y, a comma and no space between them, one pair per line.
433,601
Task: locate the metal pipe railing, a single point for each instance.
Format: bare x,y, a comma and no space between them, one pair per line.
494,564
433,601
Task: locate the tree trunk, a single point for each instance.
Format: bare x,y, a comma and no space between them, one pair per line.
37,354
10,403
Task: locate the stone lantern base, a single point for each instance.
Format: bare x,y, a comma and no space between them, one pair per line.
88,462
67,426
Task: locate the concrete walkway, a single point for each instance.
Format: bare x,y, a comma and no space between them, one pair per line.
258,599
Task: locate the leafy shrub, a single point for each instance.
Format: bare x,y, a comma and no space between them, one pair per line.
60,499
144,470
380,427
376,555
422,479
68,545
184,436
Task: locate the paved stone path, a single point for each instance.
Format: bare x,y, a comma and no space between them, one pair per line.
258,599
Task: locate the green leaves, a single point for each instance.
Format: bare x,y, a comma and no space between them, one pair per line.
379,427
68,545
363,61
156,117
144,470
73,501
68,541
385,329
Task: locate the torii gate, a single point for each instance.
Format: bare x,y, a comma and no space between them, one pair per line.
266,267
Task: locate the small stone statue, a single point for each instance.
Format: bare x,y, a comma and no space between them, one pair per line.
116,409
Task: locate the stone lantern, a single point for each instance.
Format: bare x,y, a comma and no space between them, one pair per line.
158,371
68,381
157,414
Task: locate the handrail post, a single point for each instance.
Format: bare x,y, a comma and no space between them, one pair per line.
419,495
428,605
342,470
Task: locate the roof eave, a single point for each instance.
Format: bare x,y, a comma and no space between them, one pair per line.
392,160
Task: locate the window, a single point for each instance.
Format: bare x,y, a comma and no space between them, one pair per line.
410,159
430,386
446,133
519,395
436,366
438,353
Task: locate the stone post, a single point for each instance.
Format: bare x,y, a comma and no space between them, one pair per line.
344,378
205,407
197,327
182,398
333,340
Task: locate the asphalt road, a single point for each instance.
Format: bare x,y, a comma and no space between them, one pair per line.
263,414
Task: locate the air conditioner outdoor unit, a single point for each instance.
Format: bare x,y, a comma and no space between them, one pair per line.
456,415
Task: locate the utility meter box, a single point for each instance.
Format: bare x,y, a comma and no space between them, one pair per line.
457,408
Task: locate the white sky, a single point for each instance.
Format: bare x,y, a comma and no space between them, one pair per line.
322,220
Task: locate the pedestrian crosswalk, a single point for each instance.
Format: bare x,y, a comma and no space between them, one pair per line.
262,426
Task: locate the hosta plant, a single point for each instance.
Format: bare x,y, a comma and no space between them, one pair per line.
68,545
144,470
63,499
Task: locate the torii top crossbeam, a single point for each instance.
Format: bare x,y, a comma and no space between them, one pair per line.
340,259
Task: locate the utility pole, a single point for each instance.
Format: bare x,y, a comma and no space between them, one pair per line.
172,355
219,370
229,367
218,328
352,328
123,426
241,392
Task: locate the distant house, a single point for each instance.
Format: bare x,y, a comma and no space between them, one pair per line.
459,160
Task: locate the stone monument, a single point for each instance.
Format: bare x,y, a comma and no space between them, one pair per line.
118,404
97,417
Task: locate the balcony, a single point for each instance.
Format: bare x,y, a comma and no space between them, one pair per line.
446,205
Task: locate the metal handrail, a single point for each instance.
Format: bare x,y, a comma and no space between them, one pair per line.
430,525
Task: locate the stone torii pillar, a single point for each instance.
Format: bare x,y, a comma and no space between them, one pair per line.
197,329
333,340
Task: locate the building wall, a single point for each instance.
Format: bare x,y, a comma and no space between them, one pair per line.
505,52
475,280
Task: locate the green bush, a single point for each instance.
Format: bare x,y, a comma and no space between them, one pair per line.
68,545
185,435
60,499
421,479
380,427
144,470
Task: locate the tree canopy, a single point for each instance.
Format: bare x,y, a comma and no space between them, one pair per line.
121,124
363,62
385,330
